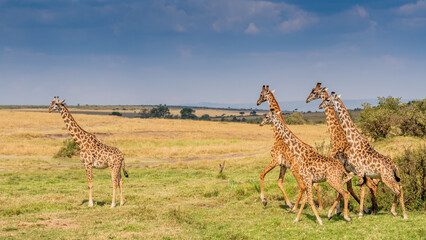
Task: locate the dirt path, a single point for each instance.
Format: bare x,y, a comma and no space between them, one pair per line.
149,162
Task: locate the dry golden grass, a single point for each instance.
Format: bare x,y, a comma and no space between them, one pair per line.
38,133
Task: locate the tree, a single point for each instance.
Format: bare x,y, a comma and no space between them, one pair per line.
205,117
242,113
253,113
295,118
159,112
378,122
187,113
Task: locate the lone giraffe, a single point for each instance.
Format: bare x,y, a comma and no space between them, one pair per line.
282,156
364,160
340,145
93,152
314,168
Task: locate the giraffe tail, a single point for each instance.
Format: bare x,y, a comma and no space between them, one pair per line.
394,173
123,166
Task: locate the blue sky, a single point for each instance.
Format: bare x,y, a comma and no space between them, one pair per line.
188,52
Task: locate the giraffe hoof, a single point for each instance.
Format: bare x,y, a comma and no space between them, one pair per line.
264,202
348,219
366,210
112,205
121,203
293,209
405,217
90,204
338,213
394,213
360,216
320,222
290,206
296,220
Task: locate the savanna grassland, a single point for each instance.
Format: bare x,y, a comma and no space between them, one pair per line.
174,190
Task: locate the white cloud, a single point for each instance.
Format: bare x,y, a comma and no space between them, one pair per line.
297,23
413,8
251,29
360,11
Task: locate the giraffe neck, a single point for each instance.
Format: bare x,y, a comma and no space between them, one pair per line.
352,133
77,133
296,146
334,128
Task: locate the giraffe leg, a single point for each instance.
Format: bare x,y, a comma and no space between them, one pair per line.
352,192
271,166
120,181
89,182
397,189
280,185
373,190
338,185
302,205
336,202
316,186
302,188
114,176
361,201
311,201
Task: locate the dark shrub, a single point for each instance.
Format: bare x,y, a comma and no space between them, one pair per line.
70,148
412,168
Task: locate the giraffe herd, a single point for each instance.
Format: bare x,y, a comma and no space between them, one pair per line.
351,156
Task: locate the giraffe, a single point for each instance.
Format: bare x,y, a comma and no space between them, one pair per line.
93,154
282,156
314,168
340,145
364,160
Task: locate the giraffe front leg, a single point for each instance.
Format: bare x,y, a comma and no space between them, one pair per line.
89,182
311,201
301,208
316,186
271,166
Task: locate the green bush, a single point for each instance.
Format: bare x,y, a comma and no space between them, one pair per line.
188,113
413,120
412,169
70,148
391,117
295,118
116,113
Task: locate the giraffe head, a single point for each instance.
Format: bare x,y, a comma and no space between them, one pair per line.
267,119
56,104
329,101
316,93
264,94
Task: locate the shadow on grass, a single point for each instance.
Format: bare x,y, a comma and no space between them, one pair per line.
94,203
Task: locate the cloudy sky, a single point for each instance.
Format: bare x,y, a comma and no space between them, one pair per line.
222,51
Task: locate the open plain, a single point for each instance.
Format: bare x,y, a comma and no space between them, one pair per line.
174,190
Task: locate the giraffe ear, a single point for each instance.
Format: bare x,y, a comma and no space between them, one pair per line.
318,84
62,101
278,112
339,96
326,89
273,91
